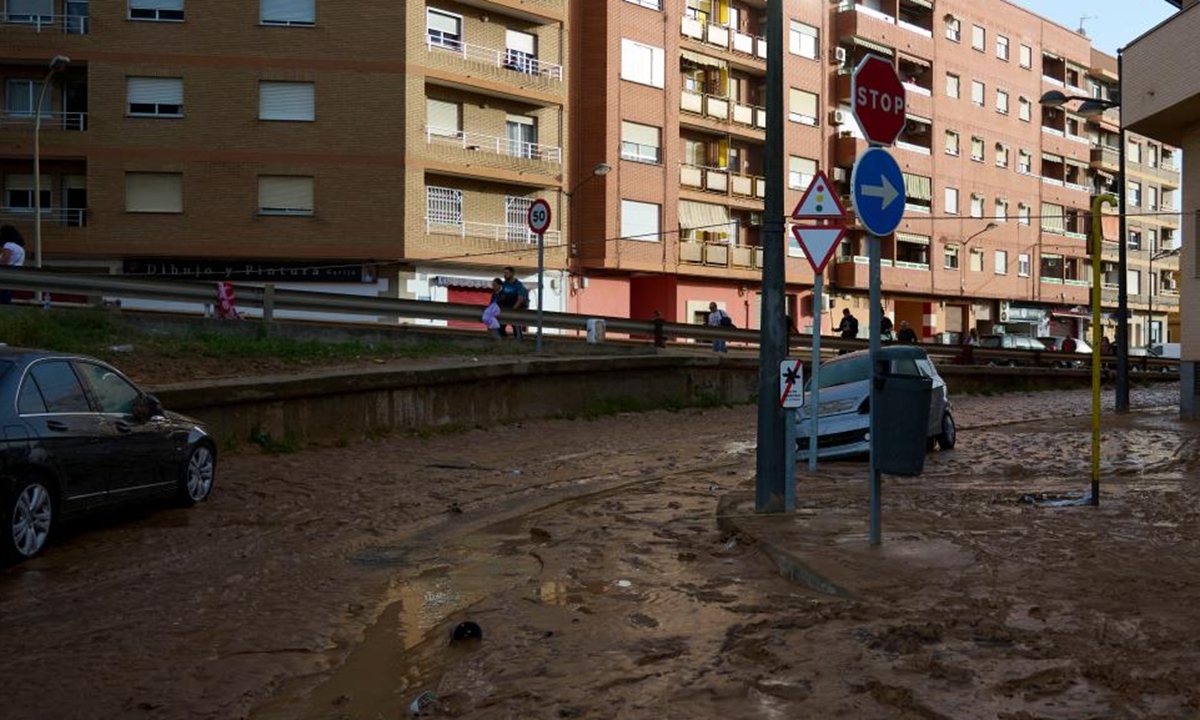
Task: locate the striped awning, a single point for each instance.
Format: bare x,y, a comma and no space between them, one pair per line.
702,60
881,49
695,215
918,187
911,238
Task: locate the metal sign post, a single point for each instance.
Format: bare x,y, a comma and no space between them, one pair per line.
819,202
539,222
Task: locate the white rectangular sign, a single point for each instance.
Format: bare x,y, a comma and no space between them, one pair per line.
791,383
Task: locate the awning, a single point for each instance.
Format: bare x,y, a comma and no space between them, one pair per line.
918,118
918,187
911,238
922,3
695,215
916,60
1078,163
702,60
1052,157
881,49
460,282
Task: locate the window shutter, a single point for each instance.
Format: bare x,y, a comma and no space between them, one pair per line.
639,221
156,5
25,182
289,11
441,117
286,101
441,22
30,7
154,192
285,194
155,91
640,134
519,41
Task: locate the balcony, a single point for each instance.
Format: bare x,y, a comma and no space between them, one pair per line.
1105,158
50,120
879,28
519,69
853,273
70,24
722,182
743,46
62,217
516,236
502,153
847,148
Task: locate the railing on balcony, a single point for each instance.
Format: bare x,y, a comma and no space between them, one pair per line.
447,137
65,23
698,177
720,254
917,89
919,149
724,37
750,115
504,58
697,103
1053,131
509,233
914,28
67,217
50,120
1053,81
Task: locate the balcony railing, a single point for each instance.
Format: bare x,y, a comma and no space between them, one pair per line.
750,115
50,120
720,254
716,180
919,149
507,233
446,137
72,24
504,58
1053,81
724,37
67,217
713,106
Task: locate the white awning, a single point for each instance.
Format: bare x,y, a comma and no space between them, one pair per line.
694,215
702,60
911,238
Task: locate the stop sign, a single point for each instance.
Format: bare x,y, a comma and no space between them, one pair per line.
877,98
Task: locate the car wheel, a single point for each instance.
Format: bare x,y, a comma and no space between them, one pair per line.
30,518
198,474
949,434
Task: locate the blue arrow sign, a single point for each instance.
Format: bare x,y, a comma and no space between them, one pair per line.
877,185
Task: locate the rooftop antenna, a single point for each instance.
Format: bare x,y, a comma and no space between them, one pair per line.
1082,31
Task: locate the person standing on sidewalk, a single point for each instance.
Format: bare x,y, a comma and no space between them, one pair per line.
12,254
513,295
718,318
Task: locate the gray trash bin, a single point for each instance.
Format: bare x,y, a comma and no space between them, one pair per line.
902,423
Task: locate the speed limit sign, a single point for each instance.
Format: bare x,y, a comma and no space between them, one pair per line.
539,216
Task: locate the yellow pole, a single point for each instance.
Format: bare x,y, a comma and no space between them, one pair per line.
1097,246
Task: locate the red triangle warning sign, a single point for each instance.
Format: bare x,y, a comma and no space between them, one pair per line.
818,244
819,201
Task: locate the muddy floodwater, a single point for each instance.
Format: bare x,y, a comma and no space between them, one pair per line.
327,583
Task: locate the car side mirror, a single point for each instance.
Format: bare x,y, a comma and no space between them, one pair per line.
146,407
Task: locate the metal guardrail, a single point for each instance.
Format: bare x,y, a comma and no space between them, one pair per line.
268,299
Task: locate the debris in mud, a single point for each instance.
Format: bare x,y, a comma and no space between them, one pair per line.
539,535
454,508
423,703
1068,499
466,630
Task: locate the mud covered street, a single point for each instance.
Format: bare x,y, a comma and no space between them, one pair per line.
325,583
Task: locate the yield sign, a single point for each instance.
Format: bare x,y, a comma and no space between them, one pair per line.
818,244
819,201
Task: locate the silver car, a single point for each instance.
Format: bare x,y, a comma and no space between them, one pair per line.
844,423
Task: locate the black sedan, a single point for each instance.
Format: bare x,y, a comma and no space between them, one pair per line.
77,436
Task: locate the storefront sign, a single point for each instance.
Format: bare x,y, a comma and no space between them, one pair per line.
323,271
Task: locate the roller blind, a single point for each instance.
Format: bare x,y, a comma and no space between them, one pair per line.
285,195
442,117
286,101
441,22
640,134
155,91
802,103
154,192
299,12
156,5
30,7
519,41
702,216
640,221
918,187
911,238
25,182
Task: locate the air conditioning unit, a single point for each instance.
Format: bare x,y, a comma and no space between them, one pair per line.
840,174
1004,311
840,55
755,219
837,117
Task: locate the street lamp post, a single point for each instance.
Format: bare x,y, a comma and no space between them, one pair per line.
1089,107
599,170
57,63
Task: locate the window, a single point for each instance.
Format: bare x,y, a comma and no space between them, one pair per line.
1002,102
1152,198
978,38
282,195
288,12
802,106
800,172
442,118
1135,194
978,90
113,393
1152,155
1026,58
22,96
521,133
1002,47
951,142
443,29
57,388
652,4
1135,151
443,206
1001,155
1024,109
640,143
286,101
1134,284
1001,260
976,205
953,29
1023,265
976,260
153,192
155,97
160,10
1053,219
951,200
1024,162
952,85
640,221
1001,213
950,256
977,149
802,40
644,64
1023,213
520,52
1135,239
18,193
1152,240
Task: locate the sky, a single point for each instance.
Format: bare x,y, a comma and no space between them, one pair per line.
1110,24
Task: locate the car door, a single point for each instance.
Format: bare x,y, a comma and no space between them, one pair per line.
66,435
140,449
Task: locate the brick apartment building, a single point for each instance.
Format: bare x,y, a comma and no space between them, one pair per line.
397,146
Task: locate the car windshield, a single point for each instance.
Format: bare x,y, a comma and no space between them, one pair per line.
842,372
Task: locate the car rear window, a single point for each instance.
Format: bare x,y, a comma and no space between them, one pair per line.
844,372
57,386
